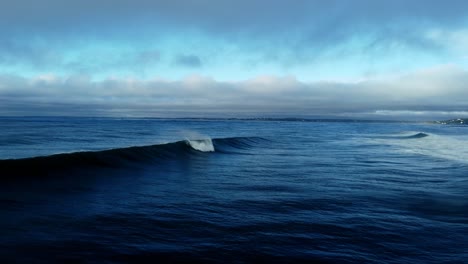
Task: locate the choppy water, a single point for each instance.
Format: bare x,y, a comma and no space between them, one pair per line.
232,191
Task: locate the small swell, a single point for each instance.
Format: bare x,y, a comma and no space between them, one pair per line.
417,135
238,143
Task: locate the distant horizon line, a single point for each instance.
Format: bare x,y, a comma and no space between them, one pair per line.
256,118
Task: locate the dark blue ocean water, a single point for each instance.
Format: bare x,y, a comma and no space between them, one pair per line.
258,191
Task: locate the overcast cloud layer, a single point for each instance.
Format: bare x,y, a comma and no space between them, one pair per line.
360,58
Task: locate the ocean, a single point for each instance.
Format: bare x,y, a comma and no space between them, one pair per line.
109,190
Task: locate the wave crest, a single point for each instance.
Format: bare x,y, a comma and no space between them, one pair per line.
203,145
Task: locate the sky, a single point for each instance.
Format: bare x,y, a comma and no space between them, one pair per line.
246,58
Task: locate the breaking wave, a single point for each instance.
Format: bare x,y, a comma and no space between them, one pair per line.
203,145
123,157
437,146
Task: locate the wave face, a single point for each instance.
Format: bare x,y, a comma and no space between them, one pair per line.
417,135
121,157
405,135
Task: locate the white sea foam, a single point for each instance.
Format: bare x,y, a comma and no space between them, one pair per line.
438,146
203,145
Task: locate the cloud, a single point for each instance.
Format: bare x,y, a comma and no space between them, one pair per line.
437,90
192,61
40,56
102,61
223,15
74,57
13,52
290,32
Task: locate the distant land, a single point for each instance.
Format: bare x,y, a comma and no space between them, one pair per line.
458,121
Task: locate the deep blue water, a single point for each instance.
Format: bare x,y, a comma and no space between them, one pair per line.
271,191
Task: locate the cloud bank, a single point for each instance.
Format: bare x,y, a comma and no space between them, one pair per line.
424,94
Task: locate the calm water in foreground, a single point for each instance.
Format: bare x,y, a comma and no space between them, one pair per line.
232,191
